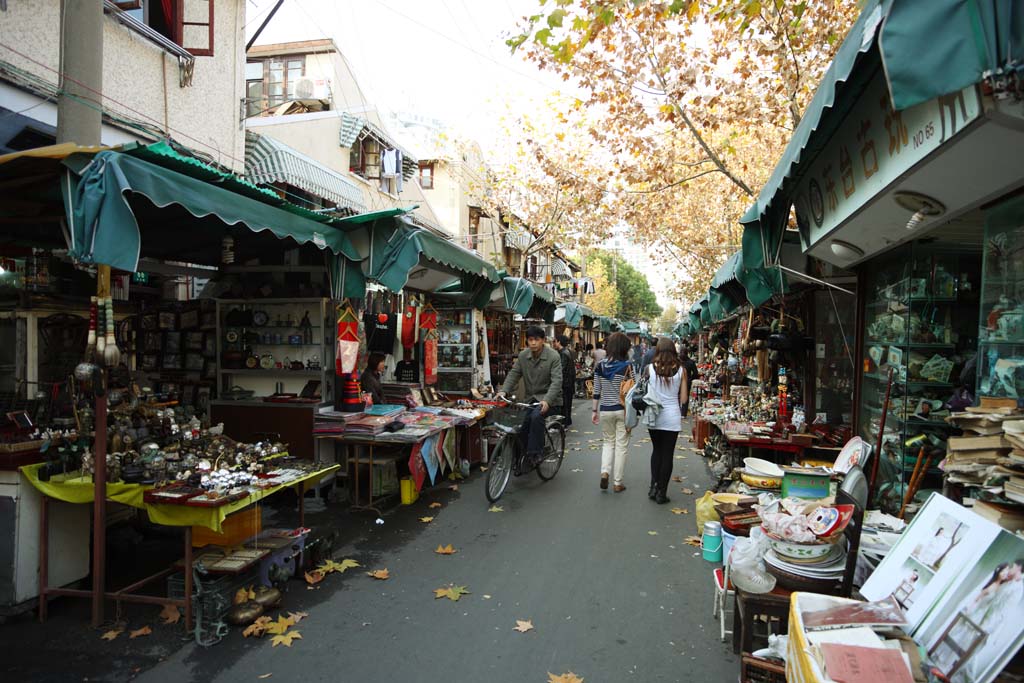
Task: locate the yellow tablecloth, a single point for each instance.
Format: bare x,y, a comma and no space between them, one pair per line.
80,490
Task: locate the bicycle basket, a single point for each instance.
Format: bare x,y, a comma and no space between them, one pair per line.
510,417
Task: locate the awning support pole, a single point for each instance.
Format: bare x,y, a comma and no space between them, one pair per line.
815,280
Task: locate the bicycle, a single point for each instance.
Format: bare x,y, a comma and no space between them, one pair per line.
509,455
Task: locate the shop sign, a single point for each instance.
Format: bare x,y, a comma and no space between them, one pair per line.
872,148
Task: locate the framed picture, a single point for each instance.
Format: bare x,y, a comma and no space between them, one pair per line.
194,341
149,321
172,342
150,362
151,342
172,361
20,418
168,320
189,319
194,362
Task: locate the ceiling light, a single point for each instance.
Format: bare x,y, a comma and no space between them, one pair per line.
922,206
845,250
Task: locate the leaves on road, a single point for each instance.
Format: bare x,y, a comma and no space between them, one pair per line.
434,505
451,591
687,491
680,511
523,626
426,520
170,614
692,540
568,677
314,577
652,533
278,627
263,676
257,628
677,478
112,634
495,508
286,638
330,566
379,574
446,550
296,617
140,632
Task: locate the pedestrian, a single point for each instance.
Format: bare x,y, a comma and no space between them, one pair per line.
691,374
568,376
667,384
540,369
598,354
370,380
609,411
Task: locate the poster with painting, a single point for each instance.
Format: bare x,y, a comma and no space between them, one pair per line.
976,627
941,540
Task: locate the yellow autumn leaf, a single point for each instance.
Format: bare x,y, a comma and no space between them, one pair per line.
286,638
445,550
140,632
426,520
523,626
379,574
170,614
112,634
280,626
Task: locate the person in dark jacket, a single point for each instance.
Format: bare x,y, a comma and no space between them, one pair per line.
691,374
568,376
540,369
370,379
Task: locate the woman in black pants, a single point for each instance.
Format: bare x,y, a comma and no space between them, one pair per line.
667,385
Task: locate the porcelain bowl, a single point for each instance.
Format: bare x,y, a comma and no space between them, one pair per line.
759,481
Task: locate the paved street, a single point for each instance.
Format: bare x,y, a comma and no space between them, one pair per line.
609,599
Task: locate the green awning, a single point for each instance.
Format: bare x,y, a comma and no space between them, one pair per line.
401,252
721,304
103,202
528,299
362,218
680,329
766,218
630,327
938,47
743,284
726,279
573,314
604,323
705,312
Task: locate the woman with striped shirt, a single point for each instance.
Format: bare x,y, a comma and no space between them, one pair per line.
609,411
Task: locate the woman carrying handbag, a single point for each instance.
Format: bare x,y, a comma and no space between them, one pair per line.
667,384
609,410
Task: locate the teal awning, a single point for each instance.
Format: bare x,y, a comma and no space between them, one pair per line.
573,314
721,304
630,327
528,299
743,284
938,47
705,312
401,252
102,205
604,324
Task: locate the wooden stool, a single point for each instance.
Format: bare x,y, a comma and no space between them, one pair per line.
749,608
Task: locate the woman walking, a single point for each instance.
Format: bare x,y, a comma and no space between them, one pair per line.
667,383
609,411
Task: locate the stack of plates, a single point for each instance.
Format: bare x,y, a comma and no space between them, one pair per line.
803,575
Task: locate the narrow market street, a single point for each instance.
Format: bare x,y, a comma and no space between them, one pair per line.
611,589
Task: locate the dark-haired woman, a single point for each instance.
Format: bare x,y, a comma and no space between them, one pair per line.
609,411
667,386
370,381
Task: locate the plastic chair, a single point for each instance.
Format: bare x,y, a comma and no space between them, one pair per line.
723,598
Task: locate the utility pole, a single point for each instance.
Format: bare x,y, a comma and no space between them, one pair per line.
80,120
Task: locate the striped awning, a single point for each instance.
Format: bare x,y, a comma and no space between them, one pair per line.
356,127
268,161
559,268
517,238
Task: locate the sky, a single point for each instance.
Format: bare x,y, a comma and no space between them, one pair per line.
444,59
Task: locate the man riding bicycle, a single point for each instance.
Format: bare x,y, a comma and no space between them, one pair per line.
540,368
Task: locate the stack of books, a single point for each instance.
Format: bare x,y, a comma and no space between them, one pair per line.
1013,464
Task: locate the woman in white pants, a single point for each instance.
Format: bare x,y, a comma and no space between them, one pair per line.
609,411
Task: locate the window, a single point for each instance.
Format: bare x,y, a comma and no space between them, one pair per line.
255,102
188,23
427,175
364,158
272,81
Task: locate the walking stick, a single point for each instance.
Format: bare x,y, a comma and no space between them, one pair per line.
881,432
909,493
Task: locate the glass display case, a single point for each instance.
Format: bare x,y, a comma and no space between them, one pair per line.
457,342
1001,327
921,301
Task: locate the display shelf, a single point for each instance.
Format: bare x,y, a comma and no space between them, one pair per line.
454,344
272,371
445,369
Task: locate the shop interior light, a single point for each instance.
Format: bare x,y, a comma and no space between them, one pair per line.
922,206
845,250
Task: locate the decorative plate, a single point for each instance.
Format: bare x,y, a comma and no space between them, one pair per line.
267,361
260,318
231,337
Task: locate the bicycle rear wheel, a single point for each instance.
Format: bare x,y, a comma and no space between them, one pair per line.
500,469
554,451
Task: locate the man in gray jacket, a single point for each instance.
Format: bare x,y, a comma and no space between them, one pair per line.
540,368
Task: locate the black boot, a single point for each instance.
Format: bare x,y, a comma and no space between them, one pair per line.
660,498
653,492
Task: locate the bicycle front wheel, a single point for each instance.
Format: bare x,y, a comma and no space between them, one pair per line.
501,468
554,451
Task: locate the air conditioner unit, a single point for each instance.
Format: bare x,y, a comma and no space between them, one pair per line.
312,89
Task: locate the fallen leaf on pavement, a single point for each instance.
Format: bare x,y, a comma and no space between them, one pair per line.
296,617
451,592
569,677
445,550
278,627
677,478
692,540
380,574
495,508
426,520
577,469
170,614
314,577
652,533
243,595
523,626
487,597
112,634
688,492
286,638
257,628
680,457
262,676
138,633
680,511
341,567
434,505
